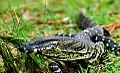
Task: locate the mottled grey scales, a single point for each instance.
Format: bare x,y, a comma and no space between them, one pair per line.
88,45
64,48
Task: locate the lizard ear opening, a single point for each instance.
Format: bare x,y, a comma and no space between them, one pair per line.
106,33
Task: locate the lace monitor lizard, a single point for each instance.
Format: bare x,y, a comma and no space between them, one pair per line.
60,48
71,47
97,33
93,32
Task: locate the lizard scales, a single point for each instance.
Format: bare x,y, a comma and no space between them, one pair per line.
94,33
65,48
86,45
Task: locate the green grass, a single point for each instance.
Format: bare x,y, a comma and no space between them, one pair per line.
17,33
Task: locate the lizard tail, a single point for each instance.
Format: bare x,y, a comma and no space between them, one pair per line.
83,22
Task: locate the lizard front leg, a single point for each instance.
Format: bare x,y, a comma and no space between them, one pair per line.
54,67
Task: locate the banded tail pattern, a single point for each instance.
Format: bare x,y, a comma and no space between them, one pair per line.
86,23
83,22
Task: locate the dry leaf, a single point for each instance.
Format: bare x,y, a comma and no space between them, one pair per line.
112,27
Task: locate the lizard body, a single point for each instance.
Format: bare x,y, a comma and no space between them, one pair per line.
85,45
